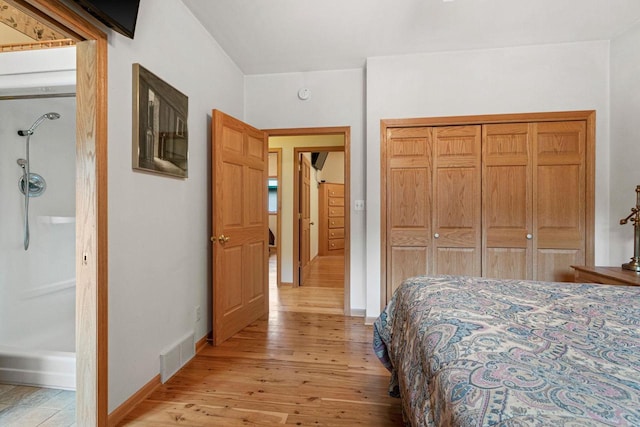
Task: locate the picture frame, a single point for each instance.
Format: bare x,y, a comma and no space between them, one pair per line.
160,143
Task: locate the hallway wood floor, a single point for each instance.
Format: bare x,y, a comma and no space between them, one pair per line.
323,292
302,366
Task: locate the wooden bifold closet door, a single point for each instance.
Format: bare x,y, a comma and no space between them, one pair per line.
502,200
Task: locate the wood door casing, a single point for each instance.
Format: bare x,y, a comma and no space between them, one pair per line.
91,243
240,288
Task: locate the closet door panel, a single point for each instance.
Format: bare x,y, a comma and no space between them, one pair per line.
406,262
457,200
554,265
507,201
559,191
560,207
457,261
408,206
506,263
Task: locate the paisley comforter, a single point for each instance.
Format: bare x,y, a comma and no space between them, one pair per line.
480,352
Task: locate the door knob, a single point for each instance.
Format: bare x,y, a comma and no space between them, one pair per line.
529,236
223,239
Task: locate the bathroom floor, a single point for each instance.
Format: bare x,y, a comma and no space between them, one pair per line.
23,406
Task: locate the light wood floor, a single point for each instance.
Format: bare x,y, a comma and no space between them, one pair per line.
302,366
323,292
24,406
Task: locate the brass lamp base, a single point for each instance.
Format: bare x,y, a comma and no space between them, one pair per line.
633,265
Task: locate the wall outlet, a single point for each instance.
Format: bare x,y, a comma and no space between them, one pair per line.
359,205
198,313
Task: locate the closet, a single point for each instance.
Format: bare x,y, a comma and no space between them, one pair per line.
507,196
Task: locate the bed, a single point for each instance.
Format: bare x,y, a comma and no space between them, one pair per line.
466,351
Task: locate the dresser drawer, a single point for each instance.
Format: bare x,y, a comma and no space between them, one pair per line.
336,201
336,222
336,211
335,190
336,233
335,244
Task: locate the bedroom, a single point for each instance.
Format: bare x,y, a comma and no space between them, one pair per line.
595,75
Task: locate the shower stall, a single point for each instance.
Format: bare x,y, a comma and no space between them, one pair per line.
37,241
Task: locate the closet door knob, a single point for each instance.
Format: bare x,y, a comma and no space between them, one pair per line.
223,239
435,236
529,236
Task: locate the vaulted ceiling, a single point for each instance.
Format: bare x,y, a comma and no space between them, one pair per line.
271,36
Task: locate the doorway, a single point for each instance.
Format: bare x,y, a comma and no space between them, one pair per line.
91,204
294,144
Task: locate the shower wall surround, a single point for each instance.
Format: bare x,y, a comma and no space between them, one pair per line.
37,287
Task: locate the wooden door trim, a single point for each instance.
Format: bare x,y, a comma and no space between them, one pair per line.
490,119
588,116
278,152
91,206
346,133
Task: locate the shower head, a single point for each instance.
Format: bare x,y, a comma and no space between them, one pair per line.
50,116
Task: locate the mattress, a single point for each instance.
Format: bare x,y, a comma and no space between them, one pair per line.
467,351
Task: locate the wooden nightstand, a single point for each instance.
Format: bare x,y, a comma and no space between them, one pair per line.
606,275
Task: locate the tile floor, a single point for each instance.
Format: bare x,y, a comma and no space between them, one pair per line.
23,406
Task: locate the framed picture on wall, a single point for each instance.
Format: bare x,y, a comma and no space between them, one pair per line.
160,136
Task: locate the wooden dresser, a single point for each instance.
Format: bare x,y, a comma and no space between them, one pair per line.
331,230
605,275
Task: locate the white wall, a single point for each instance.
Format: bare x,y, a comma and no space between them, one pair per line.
333,170
37,287
159,226
511,80
625,140
337,99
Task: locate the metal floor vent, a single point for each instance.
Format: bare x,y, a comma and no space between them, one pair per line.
176,357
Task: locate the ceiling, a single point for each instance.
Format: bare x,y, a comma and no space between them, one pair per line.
275,36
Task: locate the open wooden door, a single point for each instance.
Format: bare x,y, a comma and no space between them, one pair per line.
305,218
240,225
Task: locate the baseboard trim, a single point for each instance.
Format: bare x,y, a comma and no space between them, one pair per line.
369,320
136,398
358,312
201,343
